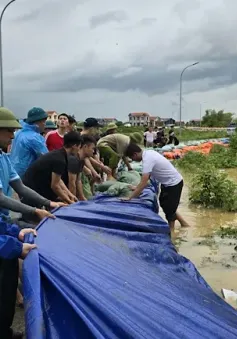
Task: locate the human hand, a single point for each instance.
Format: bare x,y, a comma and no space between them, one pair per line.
41,214
55,204
26,231
72,197
87,172
96,176
125,199
132,188
106,169
26,248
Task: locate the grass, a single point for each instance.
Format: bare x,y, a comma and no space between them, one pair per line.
186,134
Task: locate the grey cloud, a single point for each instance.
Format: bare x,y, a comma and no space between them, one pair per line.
147,21
111,16
148,80
29,16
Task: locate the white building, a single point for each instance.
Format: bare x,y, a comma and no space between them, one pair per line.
53,116
142,119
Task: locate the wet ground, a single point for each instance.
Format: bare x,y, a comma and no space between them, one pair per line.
214,257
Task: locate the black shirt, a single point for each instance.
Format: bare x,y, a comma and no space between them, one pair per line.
75,165
38,175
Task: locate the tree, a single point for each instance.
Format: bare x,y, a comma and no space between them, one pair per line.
217,119
119,123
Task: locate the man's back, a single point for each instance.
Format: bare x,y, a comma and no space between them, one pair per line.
28,145
39,174
160,168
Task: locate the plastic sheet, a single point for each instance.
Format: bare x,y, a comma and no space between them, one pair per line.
107,269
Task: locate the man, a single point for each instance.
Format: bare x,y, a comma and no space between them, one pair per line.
28,143
10,248
10,179
110,129
54,139
113,147
49,174
150,137
49,127
86,150
72,123
161,170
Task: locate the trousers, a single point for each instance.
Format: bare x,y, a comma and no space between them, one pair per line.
8,289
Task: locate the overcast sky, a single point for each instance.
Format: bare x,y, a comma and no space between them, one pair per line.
106,58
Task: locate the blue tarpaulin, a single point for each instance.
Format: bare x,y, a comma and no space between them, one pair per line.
107,269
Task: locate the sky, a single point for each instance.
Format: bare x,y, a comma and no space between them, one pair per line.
107,58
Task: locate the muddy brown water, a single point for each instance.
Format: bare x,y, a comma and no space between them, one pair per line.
215,258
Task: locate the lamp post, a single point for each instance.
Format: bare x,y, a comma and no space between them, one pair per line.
1,62
180,93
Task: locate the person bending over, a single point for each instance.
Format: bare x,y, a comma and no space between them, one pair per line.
85,151
113,147
49,174
158,168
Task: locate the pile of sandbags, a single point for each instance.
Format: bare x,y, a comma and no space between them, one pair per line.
120,187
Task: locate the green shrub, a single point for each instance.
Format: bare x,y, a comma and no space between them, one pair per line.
211,188
233,142
191,161
218,149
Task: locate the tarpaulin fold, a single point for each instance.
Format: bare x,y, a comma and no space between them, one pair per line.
108,269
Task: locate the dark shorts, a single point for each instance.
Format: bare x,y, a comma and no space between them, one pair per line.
170,199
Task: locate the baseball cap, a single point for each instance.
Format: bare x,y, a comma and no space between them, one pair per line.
91,122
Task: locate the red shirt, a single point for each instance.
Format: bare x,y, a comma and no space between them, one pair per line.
54,140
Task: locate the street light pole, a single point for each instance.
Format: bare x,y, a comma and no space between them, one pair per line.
180,93
1,62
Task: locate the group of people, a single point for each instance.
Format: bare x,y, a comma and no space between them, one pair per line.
156,137
47,166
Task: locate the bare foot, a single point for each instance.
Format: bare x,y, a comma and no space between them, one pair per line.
19,299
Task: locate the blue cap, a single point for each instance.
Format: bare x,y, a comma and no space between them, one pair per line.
36,114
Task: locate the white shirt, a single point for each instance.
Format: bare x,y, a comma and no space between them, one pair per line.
160,168
150,136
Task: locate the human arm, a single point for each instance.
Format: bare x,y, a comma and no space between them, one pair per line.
29,194
100,165
93,171
126,161
11,245
60,189
140,187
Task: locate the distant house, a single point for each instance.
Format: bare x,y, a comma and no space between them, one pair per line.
142,119
195,122
53,116
106,121
166,121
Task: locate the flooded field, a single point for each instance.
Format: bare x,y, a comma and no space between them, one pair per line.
214,257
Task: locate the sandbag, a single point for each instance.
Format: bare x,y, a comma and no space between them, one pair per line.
119,189
104,186
130,177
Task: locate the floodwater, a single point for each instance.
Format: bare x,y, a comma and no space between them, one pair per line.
215,258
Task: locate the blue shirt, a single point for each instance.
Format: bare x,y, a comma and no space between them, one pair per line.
10,246
7,175
27,146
